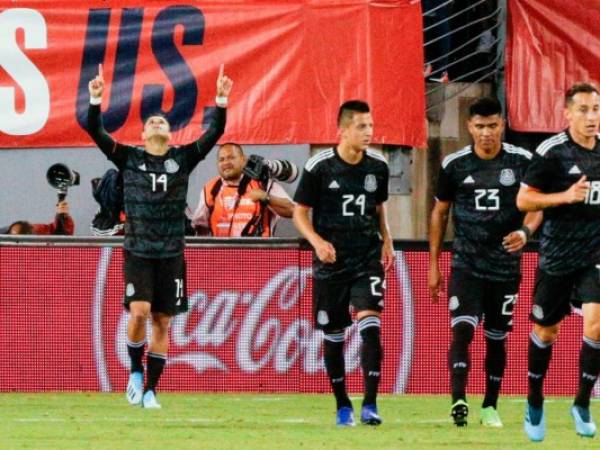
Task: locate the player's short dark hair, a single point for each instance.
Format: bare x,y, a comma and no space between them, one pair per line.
155,114
485,107
233,144
24,226
349,108
586,88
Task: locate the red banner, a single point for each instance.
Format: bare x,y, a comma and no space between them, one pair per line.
550,46
249,327
293,63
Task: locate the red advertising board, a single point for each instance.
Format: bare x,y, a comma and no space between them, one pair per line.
293,63
249,327
550,46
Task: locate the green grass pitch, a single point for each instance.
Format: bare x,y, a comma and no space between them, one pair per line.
256,421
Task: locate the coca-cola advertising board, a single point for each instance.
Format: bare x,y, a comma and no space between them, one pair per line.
248,329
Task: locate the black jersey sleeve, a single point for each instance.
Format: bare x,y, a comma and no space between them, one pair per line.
196,151
115,152
307,191
382,189
446,188
540,173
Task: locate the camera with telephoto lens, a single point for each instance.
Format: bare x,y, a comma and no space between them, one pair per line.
62,178
262,169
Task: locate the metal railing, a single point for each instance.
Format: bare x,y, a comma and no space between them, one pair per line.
459,53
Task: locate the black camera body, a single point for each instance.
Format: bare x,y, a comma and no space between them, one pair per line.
61,178
262,169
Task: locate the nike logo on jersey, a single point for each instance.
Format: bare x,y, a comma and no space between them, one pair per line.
575,170
469,180
142,167
334,185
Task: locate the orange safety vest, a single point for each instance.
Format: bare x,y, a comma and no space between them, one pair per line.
233,213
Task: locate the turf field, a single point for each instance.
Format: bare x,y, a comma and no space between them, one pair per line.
106,421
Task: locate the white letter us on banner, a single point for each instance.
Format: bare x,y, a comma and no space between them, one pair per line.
18,66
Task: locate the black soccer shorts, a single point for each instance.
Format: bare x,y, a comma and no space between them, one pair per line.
333,299
160,281
554,294
493,301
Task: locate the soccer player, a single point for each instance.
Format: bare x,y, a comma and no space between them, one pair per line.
564,181
155,180
480,183
346,187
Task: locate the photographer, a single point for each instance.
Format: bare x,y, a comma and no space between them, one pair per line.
62,225
235,204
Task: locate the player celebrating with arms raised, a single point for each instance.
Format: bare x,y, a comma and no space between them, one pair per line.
155,183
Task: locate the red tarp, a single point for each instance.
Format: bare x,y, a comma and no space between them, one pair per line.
551,45
293,63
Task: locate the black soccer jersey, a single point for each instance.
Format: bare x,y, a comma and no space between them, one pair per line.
570,235
155,187
343,198
483,195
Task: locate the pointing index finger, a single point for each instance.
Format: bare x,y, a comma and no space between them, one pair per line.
221,70
100,72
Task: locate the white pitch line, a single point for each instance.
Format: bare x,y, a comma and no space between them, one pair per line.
118,419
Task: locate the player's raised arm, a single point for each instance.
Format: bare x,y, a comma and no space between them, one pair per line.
198,149
95,128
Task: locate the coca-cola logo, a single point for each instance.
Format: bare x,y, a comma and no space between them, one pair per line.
262,330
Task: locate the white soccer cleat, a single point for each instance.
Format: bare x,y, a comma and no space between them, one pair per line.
135,388
149,401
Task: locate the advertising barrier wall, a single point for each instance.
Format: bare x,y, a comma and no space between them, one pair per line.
249,327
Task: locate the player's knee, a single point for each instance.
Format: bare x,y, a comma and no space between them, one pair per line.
495,337
592,330
547,334
138,317
369,328
463,332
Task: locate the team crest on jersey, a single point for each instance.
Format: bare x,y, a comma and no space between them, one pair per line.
370,183
130,290
507,177
171,166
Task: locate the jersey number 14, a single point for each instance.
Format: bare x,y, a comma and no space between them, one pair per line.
156,180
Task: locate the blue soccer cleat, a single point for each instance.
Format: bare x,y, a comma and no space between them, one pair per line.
149,401
135,388
345,417
584,424
369,415
535,423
